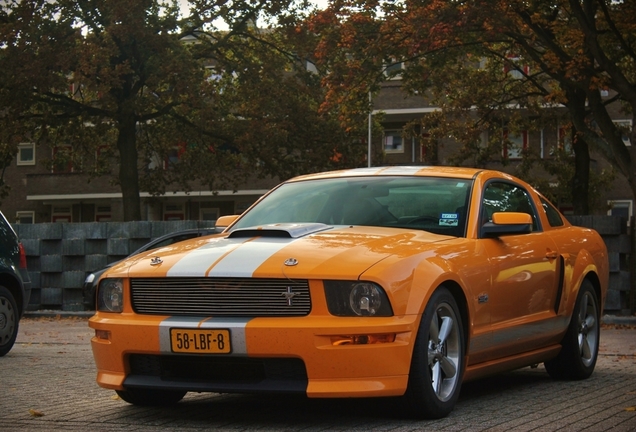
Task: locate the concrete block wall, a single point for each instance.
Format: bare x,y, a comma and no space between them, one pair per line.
614,231
61,255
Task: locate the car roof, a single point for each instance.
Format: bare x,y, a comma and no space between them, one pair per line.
422,171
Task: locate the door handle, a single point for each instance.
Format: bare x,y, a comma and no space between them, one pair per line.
551,255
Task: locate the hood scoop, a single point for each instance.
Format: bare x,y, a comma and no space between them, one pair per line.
280,230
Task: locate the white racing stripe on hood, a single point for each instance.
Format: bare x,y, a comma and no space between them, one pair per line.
197,262
244,260
228,257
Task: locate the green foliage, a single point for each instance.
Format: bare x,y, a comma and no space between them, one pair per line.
493,68
157,100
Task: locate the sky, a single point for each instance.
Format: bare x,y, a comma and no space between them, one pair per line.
320,3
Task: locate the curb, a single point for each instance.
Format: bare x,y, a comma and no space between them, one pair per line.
619,320
58,314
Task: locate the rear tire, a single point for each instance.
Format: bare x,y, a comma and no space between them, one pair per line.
437,365
9,319
146,397
579,351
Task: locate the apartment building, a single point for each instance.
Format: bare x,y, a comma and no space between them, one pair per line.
65,194
399,109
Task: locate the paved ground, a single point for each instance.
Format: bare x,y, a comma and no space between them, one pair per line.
47,382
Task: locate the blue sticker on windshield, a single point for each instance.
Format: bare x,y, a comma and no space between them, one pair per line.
449,219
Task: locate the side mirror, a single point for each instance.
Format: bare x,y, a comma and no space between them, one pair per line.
505,223
224,221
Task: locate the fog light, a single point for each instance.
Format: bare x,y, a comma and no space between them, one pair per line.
102,334
363,339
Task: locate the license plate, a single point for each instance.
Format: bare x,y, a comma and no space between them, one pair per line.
203,341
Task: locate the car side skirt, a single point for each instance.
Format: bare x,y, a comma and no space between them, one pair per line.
505,364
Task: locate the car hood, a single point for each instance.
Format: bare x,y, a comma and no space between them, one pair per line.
280,250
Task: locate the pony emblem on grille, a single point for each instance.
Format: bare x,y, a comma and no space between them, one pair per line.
289,295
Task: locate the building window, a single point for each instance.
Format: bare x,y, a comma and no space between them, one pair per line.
61,214
62,159
103,214
624,208
25,217
514,144
174,155
515,68
393,141
565,139
207,211
26,154
626,127
393,69
173,212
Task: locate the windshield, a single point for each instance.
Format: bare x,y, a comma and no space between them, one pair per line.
428,203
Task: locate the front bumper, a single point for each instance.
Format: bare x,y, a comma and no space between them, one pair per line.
268,355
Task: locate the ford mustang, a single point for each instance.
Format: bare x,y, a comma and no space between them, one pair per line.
394,281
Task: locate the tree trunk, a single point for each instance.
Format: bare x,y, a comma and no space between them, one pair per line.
631,178
128,172
581,179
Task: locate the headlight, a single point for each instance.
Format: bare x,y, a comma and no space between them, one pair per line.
110,295
90,278
355,298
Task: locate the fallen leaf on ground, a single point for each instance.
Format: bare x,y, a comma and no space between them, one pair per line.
630,408
35,413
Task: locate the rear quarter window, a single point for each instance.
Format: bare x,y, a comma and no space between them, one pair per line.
554,217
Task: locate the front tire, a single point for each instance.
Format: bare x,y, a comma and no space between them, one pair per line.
9,318
146,397
579,351
437,365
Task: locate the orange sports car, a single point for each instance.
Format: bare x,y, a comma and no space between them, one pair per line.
394,281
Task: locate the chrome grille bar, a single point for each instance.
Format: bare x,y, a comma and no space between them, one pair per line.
245,297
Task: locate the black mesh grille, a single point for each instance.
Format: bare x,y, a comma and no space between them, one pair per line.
217,369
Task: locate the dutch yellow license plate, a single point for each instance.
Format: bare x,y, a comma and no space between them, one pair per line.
200,341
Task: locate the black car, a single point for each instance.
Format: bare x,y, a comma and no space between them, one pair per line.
90,284
15,285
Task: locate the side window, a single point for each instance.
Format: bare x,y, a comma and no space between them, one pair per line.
554,218
507,197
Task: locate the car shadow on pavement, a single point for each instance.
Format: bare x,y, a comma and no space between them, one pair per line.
286,411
